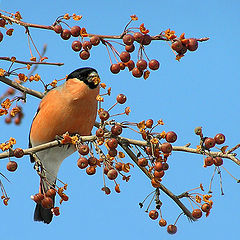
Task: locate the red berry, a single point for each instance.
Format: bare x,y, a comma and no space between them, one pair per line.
55,211
218,161
112,174
171,137
141,64
92,161
121,98
75,31
136,72
121,65
138,37
118,166
219,138
153,214
116,130
183,50
146,39
76,46
58,29
112,143
149,123
115,68
86,45
100,132
166,147
84,55
2,22
209,143
197,213
8,120
177,45
95,40
208,161
165,166
18,153
171,229
106,190
125,56
192,44
158,166
12,166
50,193
47,202
83,149
154,64
162,222
82,162
158,174
128,39
91,170
65,34
11,91
104,115
37,197
130,48
112,152
142,162
1,36
17,121
198,130
130,65
206,207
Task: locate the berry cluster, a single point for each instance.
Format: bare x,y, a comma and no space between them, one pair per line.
3,24
82,46
140,68
206,143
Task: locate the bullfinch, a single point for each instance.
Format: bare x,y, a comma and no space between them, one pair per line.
70,107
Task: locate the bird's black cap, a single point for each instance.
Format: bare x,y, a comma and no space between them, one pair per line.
83,74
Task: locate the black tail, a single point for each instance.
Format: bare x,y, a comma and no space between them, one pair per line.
42,214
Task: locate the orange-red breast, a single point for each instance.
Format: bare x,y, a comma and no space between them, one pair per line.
72,108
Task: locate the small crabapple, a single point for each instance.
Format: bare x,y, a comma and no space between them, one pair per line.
18,153
82,162
83,149
84,55
171,137
75,31
219,138
65,34
153,214
128,39
112,174
115,68
166,147
12,166
142,162
197,213
154,64
209,143
171,229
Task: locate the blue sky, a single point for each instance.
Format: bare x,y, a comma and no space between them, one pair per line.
202,89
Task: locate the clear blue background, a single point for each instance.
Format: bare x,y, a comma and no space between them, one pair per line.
203,89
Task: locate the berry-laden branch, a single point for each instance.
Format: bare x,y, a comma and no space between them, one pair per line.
131,37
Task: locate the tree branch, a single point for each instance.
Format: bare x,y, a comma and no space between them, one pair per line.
30,63
126,148
21,88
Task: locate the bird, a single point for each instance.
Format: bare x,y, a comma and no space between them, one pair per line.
72,108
